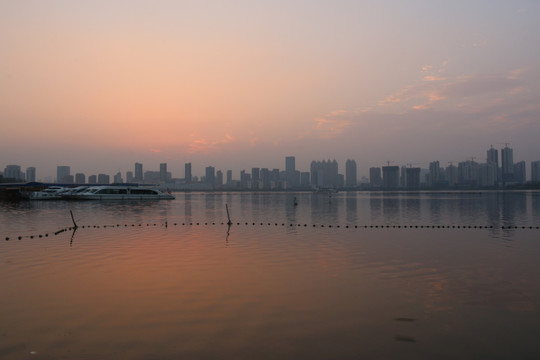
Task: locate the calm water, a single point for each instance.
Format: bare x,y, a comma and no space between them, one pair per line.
139,282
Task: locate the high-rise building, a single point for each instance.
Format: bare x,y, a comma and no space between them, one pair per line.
290,169
350,173
255,178
92,179
13,172
493,158
520,172
80,178
375,178
507,159
451,174
117,179
138,172
304,179
31,174
219,179
61,172
488,175
129,176
324,174
390,177
265,178
187,172
535,171
210,176
229,177
434,173
103,179
163,172
412,178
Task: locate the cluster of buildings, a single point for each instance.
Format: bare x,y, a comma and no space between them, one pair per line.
322,174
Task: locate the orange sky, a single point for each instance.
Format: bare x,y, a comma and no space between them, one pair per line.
245,84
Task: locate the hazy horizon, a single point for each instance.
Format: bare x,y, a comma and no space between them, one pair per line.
101,85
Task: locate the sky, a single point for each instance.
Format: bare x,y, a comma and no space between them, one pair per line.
99,85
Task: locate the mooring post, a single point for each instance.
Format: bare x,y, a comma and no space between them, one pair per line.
228,216
73,219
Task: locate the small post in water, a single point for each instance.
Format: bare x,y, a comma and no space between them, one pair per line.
228,216
73,219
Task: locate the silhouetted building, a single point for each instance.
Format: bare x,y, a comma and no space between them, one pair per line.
229,177
187,172
117,179
255,178
413,178
163,172
265,178
324,174
290,169
488,175
80,178
507,157
92,179
493,158
62,171
67,179
210,176
520,172
13,172
31,174
375,178
350,173
390,177
468,173
535,171
219,179
451,175
304,179
434,173
129,177
139,172
103,179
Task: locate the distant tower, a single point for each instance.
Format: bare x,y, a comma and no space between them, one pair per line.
138,172
163,172
210,175
390,177
434,172
493,160
350,174
219,179
290,171
13,172
507,157
375,178
187,172
61,172
229,177
31,174
80,178
535,171
255,178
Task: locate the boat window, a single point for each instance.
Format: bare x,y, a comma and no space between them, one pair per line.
143,192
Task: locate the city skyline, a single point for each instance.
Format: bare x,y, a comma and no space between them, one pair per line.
248,83
325,173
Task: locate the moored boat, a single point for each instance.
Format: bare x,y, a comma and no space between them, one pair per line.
114,192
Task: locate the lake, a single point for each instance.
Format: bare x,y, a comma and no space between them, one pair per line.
353,275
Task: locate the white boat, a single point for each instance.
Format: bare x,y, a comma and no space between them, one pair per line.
50,193
113,192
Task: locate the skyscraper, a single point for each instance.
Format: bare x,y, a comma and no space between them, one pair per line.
520,172
163,172
13,172
350,173
229,177
138,172
375,178
62,171
255,178
390,177
210,175
493,159
80,178
535,171
290,171
507,159
187,172
30,174
434,173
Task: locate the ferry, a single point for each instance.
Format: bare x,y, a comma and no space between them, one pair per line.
121,193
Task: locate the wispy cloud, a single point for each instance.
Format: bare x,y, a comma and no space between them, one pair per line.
205,146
